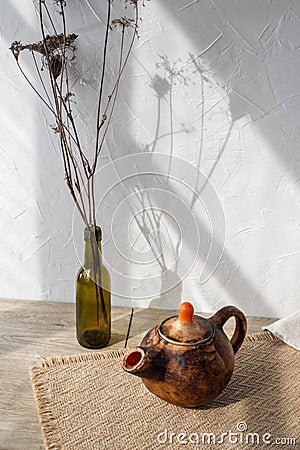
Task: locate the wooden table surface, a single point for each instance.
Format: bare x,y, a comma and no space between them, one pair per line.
32,329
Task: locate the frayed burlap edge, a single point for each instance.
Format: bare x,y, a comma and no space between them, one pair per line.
262,336
48,423
83,357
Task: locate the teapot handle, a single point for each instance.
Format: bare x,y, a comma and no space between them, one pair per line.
219,319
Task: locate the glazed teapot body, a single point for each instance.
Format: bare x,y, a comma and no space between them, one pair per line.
188,360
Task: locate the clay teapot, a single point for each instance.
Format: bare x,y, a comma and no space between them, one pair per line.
188,360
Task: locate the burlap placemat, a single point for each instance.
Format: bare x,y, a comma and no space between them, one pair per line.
88,402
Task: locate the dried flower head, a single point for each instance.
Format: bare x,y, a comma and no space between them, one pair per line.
50,45
135,2
52,48
123,21
16,49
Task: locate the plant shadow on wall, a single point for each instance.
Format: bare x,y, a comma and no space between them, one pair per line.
160,224
154,222
263,100
156,241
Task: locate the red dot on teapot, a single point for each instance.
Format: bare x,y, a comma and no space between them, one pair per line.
186,313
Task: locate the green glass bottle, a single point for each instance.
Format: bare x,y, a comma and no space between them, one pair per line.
93,306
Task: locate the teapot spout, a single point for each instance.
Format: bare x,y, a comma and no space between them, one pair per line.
139,361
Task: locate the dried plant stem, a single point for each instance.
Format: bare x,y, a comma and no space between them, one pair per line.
112,98
98,123
50,17
70,165
120,73
79,169
98,279
42,82
106,128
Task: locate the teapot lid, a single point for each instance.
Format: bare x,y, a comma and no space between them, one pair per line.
186,328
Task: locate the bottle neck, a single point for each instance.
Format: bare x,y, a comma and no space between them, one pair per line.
93,248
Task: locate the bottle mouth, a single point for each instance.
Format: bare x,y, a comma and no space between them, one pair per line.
93,231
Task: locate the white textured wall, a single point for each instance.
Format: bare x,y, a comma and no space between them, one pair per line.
216,84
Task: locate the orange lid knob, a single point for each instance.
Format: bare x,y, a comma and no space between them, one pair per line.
186,313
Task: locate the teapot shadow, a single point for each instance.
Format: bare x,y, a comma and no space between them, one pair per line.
244,383
233,393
